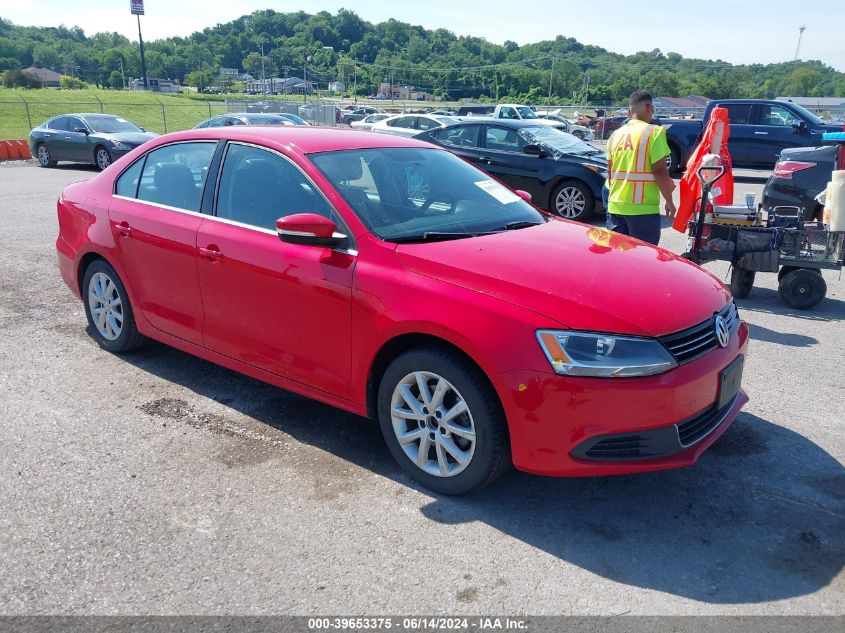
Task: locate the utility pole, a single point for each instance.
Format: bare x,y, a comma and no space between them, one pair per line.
551,74
141,41
263,74
801,30
308,58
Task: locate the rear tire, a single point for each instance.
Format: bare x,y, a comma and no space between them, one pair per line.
785,270
802,288
450,455
573,200
742,281
108,309
45,158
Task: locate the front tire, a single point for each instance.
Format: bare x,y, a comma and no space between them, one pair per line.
102,158
442,421
45,158
108,309
573,200
742,281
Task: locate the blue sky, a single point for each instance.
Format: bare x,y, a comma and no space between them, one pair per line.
747,32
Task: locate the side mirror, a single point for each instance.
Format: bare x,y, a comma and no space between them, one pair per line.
81,130
523,194
309,229
533,149
798,124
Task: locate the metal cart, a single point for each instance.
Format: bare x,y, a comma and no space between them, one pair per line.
787,245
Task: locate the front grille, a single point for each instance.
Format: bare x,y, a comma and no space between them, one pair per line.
616,447
697,428
694,342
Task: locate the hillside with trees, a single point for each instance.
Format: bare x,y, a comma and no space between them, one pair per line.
364,54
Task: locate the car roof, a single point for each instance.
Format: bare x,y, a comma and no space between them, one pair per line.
296,138
514,123
88,114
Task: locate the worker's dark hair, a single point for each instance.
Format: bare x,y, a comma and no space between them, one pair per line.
639,96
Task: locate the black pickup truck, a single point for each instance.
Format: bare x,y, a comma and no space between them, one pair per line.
760,130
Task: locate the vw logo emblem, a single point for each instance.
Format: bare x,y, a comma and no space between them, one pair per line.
723,334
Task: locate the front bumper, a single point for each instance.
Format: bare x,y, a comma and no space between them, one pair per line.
555,420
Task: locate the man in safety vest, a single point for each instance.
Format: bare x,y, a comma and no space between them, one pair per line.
638,174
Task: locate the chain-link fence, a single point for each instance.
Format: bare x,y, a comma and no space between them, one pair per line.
315,111
18,117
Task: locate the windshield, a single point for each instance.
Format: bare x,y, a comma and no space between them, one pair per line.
807,114
527,113
410,194
267,119
557,142
296,119
111,124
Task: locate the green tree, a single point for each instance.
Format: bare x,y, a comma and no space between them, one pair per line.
116,80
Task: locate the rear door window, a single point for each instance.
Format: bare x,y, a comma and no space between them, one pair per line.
59,123
127,183
739,113
174,175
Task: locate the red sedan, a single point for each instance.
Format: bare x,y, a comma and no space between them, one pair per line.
391,279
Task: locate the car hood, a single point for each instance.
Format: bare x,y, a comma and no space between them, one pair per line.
131,138
582,277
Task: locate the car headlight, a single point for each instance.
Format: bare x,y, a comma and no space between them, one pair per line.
603,355
120,145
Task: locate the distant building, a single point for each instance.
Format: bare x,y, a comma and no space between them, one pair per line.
156,85
228,72
277,85
48,78
834,106
404,93
337,86
233,73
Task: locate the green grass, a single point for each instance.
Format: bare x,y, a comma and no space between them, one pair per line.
152,112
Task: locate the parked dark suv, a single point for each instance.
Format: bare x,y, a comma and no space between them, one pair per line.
799,176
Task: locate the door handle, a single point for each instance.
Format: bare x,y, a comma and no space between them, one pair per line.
762,133
211,253
124,229
484,159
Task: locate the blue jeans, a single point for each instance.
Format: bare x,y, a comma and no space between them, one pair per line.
643,227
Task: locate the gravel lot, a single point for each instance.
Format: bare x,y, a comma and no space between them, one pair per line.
158,483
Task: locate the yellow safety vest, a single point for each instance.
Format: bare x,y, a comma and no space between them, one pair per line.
633,149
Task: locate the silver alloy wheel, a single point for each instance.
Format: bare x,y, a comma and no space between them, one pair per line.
570,202
105,306
433,424
103,158
43,155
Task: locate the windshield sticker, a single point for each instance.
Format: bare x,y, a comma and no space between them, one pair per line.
502,194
